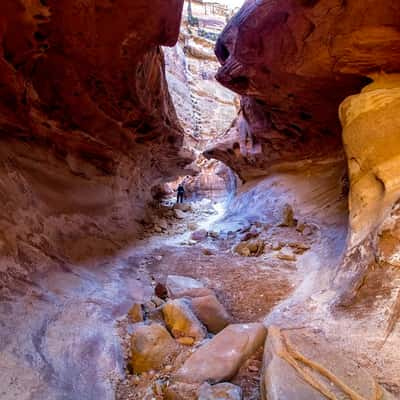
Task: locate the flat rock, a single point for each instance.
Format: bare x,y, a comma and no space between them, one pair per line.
221,391
302,366
183,286
151,347
211,313
220,358
181,320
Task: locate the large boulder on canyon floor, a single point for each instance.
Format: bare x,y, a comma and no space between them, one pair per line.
182,321
184,286
211,312
151,347
220,358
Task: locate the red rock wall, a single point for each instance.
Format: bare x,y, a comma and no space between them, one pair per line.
87,125
294,62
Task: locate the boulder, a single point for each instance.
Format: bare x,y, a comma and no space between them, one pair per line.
220,358
181,391
151,347
305,367
183,286
211,313
181,320
221,391
199,235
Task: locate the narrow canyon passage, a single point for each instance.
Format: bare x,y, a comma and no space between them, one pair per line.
278,275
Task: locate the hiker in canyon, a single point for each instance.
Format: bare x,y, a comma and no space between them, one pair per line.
181,192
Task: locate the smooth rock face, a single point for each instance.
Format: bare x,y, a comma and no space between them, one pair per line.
221,391
151,347
181,320
211,313
307,368
292,80
222,356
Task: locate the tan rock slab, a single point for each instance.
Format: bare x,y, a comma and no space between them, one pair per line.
303,366
151,347
220,358
221,391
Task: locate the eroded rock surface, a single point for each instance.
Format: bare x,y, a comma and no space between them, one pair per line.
310,369
87,126
292,80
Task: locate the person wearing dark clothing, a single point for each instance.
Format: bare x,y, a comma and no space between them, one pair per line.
181,192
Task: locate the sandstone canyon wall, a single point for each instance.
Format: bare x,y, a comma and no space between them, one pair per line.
318,129
294,63
87,126
205,108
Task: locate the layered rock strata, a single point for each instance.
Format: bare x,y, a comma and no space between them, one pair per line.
205,107
294,62
87,125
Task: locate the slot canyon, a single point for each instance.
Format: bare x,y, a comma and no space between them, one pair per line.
277,277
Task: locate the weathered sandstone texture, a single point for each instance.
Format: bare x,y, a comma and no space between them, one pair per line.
294,62
371,123
87,125
205,108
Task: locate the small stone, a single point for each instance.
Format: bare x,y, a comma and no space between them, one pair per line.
135,314
211,313
253,248
191,226
277,245
286,257
288,219
221,391
179,214
199,235
185,207
186,341
213,234
207,252
157,301
253,368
